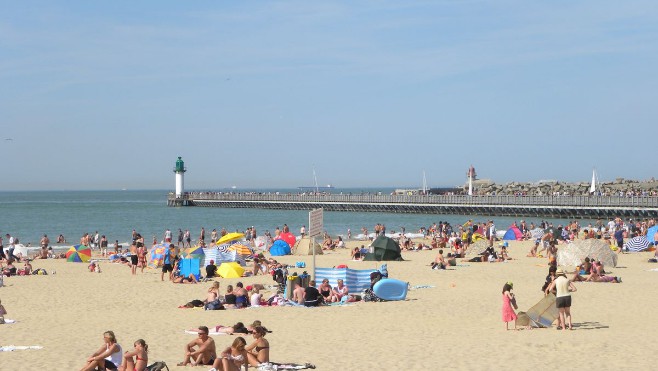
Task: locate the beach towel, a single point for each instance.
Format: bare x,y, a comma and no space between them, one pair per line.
11,348
272,366
210,332
417,287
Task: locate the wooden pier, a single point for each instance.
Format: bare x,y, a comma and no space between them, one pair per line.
565,207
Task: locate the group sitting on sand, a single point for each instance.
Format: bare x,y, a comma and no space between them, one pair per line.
203,351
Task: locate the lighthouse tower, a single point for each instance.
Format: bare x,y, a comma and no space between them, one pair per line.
179,170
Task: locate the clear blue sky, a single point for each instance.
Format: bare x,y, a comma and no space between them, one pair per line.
106,95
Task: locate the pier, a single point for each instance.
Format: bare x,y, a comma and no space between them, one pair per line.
564,207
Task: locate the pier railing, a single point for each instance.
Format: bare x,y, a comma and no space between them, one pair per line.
549,201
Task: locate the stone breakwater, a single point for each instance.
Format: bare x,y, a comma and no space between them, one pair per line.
618,187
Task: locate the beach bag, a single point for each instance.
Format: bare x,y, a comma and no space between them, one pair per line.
157,366
300,265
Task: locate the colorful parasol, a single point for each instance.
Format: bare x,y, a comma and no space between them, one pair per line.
240,249
195,252
156,256
288,237
230,270
230,237
78,254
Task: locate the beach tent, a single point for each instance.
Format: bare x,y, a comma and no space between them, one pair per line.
542,314
513,233
575,253
280,248
156,256
303,247
384,249
356,280
288,237
230,270
652,232
79,254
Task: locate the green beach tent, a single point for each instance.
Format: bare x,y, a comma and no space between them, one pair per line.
384,249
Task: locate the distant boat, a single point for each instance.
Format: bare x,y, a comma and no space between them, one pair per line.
234,187
328,186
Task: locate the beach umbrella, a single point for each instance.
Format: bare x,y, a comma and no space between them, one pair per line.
240,249
637,244
79,254
288,237
230,270
575,253
230,237
156,256
195,252
537,233
652,232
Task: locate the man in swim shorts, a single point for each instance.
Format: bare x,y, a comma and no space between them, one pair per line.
200,351
168,262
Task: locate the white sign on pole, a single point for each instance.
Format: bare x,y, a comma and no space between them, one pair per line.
315,222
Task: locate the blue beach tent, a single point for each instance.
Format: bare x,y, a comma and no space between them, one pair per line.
279,248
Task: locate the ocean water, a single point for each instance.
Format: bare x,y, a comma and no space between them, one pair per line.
30,215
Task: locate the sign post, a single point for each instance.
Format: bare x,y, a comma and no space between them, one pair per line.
315,226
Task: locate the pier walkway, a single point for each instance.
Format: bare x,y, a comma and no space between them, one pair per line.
566,207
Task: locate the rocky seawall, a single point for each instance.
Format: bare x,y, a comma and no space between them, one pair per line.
618,187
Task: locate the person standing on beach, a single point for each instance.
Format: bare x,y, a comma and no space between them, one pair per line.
2,250
202,236
509,304
188,239
167,236
302,231
168,262
180,237
134,259
564,288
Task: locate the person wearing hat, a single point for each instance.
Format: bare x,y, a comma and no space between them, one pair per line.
564,287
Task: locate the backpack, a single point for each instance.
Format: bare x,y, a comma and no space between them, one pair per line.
157,366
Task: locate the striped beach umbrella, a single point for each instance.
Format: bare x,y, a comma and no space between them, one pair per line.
79,254
637,244
240,249
537,233
195,252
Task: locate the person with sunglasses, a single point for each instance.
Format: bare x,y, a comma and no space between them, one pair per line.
200,351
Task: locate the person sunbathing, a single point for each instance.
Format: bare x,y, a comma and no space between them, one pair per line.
326,291
108,356
233,357
200,351
189,279
439,262
340,290
136,359
259,351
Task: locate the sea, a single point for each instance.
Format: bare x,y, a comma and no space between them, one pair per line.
29,215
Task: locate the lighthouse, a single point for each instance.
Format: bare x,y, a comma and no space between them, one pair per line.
179,170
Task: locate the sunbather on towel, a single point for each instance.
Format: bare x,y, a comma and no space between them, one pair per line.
259,351
200,351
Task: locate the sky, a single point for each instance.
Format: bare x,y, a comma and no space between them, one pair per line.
259,94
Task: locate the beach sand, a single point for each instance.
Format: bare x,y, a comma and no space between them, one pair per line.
455,325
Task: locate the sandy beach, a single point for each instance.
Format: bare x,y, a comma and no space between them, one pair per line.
454,325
